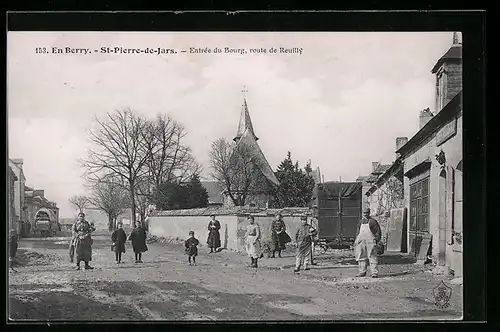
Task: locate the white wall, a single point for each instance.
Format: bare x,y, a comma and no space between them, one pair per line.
179,227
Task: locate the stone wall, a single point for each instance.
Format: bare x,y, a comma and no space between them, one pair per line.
176,224
178,227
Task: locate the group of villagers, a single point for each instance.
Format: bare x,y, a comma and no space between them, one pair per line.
366,244
81,242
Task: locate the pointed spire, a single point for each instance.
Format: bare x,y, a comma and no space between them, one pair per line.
245,122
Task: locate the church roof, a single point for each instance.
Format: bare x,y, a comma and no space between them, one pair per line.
249,139
245,122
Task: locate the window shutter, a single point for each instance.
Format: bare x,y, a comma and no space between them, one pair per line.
450,200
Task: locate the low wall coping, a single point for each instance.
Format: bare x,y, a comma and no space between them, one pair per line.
236,211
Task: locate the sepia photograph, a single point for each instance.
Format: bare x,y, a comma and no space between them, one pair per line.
234,176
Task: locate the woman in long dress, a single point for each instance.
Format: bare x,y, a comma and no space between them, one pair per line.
303,238
213,240
253,241
83,241
138,237
279,237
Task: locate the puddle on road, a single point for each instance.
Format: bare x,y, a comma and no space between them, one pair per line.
45,278
39,290
26,298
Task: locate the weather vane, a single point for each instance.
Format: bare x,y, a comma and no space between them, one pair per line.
244,90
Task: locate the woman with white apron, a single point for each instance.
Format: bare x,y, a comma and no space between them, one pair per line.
253,241
365,245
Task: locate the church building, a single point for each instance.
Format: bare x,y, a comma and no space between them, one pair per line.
259,196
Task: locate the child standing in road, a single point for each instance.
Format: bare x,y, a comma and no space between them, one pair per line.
191,247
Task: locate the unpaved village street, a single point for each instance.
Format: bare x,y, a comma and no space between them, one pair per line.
221,287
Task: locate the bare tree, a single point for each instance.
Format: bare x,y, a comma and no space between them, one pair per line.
168,158
112,198
117,140
80,202
390,195
236,169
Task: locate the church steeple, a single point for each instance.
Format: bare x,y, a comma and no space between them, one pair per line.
245,122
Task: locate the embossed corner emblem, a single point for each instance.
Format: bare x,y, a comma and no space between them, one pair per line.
442,295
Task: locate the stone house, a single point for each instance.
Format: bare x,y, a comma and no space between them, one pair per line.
433,169
19,202
12,206
34,200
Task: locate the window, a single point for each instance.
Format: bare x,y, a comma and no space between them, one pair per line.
419,206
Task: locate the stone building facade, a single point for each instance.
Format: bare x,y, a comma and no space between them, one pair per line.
433,170
19,202
11,200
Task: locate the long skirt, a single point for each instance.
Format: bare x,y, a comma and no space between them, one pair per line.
304,250
278,241
213,240
253,249
83,249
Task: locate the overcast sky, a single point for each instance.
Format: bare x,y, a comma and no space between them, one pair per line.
341,103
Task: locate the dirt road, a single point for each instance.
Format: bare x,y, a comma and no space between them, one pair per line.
220,287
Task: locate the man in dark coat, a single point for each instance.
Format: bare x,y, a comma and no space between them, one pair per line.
368,236
119,237
83,241
213,240
138,238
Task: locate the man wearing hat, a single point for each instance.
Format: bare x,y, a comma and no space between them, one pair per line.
368,237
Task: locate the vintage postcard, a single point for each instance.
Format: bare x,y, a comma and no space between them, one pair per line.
235,176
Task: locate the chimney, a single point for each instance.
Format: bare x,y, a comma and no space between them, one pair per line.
425,116
400,141
375,165
456,39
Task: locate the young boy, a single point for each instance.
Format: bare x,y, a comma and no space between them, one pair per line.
191,247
